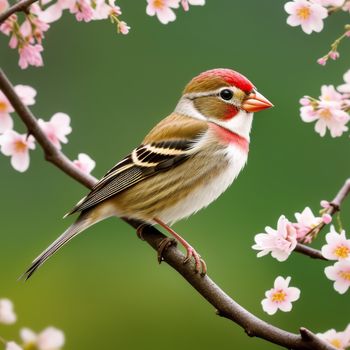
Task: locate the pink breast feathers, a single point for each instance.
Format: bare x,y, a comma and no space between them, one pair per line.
228,137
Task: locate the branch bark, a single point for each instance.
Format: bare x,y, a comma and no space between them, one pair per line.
20,6
226,306
311,252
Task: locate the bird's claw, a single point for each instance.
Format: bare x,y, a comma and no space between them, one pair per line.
139,231
200,265
163,246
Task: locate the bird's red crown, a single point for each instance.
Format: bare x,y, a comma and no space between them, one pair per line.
230,76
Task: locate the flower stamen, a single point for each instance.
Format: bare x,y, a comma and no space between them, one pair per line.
159,4
303,13
3,106
279,296
345,275
342,252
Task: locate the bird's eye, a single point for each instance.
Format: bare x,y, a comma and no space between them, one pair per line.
226,94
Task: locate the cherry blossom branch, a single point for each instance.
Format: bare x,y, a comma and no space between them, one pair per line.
334,207
20,6
225,306
311,252
340,196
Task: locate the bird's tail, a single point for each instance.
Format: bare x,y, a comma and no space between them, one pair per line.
82,223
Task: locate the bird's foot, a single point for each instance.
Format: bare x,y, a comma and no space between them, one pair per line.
200,265
164,244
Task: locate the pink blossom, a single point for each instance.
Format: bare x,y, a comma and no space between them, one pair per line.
306,221
337,247
334,55
3,5
322,61
163,9
305,101
17,147
57,128
332,118
185,3
346,7
340,340
326,218
26,93
280,243
326,3
340,274
345,88
308,14
280,296
7,315
85,163
13,43
7,27
6,122
115,10
52,13
123,27
49,339
328,114
26,30
82,9
30,55
330,94
325,204
39,26
12,346
104,10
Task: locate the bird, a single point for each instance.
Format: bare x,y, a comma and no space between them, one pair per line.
183,164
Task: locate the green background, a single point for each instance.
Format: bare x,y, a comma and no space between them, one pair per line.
106,290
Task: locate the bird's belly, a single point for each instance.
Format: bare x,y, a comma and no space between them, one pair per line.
234,160
183,190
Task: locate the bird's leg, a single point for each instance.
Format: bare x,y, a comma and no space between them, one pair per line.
200,264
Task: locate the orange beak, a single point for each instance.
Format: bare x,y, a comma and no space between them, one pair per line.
256,102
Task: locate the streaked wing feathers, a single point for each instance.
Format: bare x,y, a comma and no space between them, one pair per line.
143,162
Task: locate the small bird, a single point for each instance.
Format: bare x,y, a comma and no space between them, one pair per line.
184,163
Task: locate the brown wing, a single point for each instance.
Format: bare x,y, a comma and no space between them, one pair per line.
143,162
167,145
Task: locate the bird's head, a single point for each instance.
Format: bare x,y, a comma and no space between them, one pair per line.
223,97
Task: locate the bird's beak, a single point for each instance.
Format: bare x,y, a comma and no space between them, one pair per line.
256,102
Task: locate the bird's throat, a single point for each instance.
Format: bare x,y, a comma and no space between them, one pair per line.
229,137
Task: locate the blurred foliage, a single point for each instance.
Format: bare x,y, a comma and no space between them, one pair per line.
105,289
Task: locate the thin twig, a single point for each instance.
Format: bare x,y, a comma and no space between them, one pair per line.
226,306
334,207
341,195
20,6
311,252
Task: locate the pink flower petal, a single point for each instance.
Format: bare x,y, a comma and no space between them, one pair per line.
6,122
26,93
269,307
20,161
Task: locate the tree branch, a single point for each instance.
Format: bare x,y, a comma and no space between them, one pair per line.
340,196
20,6
311,252
334,208
226,306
